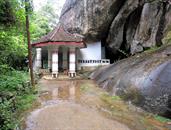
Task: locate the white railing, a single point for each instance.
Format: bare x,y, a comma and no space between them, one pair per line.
44,71
95,62
105,61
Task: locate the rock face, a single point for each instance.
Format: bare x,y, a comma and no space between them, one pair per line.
143,79
129,25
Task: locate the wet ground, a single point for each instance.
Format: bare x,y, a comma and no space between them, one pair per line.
81,105
62,109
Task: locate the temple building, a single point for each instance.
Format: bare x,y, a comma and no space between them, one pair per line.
62,52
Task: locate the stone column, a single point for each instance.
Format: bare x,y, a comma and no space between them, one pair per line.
38,58
72,62
55,63
49,59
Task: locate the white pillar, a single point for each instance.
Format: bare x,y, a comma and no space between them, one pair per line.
72,62
55,63
49,59
38,58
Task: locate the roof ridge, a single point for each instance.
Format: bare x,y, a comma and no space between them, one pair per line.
65,30
56,30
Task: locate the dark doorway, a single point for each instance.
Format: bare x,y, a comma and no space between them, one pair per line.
44,58
60,59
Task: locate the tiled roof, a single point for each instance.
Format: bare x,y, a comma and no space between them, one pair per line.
59,34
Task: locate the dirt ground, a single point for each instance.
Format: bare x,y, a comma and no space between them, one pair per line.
81,105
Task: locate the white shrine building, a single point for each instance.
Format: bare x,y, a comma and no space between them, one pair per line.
62,52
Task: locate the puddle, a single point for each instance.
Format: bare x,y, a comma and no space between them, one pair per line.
64,106
52,91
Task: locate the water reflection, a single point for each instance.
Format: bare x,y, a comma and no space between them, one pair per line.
55,93
63,90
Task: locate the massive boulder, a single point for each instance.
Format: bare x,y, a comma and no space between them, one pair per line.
144,79
128,25
92,18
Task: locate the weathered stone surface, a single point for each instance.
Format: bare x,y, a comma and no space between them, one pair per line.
92,18
129,25
147,29
167,30
168,18
143,79
116,32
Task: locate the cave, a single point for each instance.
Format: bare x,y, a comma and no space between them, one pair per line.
129,31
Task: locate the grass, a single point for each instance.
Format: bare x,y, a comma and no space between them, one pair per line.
115,98
121,111
161,119
25,101
86,87
129,115
154,49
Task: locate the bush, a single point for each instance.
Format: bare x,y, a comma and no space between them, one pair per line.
16,95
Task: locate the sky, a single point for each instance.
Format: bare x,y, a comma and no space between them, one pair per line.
57,4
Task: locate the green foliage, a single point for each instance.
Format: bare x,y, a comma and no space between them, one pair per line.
152,49
11,12
167,39
11,80
116,98
161,119
6,117
13,47
43,21
16,96
39,26
4,69
7,16
50,13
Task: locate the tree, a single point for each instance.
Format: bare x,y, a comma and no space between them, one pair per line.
12,36
43,21
7,16
27,8
50,13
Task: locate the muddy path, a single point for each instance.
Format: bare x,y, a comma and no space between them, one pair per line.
80,105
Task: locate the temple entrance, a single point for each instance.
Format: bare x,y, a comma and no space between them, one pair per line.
63,59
